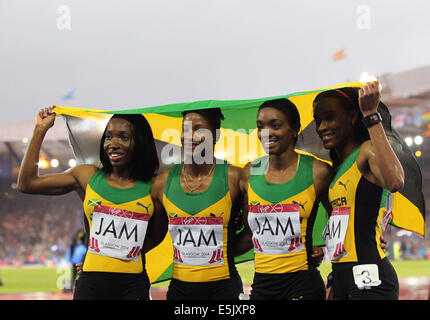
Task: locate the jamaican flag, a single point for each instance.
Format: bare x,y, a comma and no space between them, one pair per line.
238,144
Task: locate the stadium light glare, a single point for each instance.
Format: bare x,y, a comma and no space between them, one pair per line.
55,163
43,164
418,140
409,141
72,163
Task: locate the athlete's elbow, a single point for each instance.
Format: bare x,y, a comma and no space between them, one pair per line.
396,184
24,186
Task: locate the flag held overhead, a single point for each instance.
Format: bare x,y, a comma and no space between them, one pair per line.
238,144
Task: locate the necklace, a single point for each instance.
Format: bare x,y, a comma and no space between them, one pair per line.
199,178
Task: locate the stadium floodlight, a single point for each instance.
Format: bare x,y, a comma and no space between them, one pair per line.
72,163
55,163
418,140
409,141
43,164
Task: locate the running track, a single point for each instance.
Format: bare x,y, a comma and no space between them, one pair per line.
411,288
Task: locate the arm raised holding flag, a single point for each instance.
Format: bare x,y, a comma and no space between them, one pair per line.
117,204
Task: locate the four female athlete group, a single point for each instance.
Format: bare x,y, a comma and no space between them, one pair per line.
129,208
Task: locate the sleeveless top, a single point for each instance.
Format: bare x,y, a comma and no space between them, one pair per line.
359,215
201,228
281,218
116,221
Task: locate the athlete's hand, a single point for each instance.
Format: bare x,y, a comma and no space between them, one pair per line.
368,98
317,255
45,118
79,268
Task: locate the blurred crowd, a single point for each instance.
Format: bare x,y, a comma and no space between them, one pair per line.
36,229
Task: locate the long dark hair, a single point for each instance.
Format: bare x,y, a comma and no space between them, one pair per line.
145,162
288,109
348,98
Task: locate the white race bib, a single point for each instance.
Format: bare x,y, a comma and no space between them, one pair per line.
117,233
366,276
197,241
275,228
335,231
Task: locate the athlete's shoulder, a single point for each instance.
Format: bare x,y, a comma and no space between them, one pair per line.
366,153
85,169
366,150
83,173
322,169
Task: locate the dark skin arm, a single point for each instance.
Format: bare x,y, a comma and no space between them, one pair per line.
235,194
243,241
158,224
29,180
377,160
322,174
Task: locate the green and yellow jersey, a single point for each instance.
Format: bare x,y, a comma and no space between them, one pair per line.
116,221
281,218
354,230
201,227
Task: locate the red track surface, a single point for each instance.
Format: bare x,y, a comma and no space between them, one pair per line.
411,288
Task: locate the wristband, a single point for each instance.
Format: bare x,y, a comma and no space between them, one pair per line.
372,119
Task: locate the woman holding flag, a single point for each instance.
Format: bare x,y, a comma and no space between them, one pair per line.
367,171
201,198
282,192
117,203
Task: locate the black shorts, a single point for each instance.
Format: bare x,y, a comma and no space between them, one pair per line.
112,286
344,287
227,289
300,285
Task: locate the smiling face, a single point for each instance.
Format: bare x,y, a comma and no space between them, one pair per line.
279,135
334,125
119,142
197,135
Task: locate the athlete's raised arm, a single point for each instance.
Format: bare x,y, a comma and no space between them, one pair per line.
377,160
29,180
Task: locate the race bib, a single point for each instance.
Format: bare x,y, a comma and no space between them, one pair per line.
335,231
117,233
197,241
366,276
275,228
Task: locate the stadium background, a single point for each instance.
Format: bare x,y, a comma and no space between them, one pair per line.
36,231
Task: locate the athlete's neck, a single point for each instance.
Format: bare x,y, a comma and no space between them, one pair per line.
195,170
283,161
121,176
